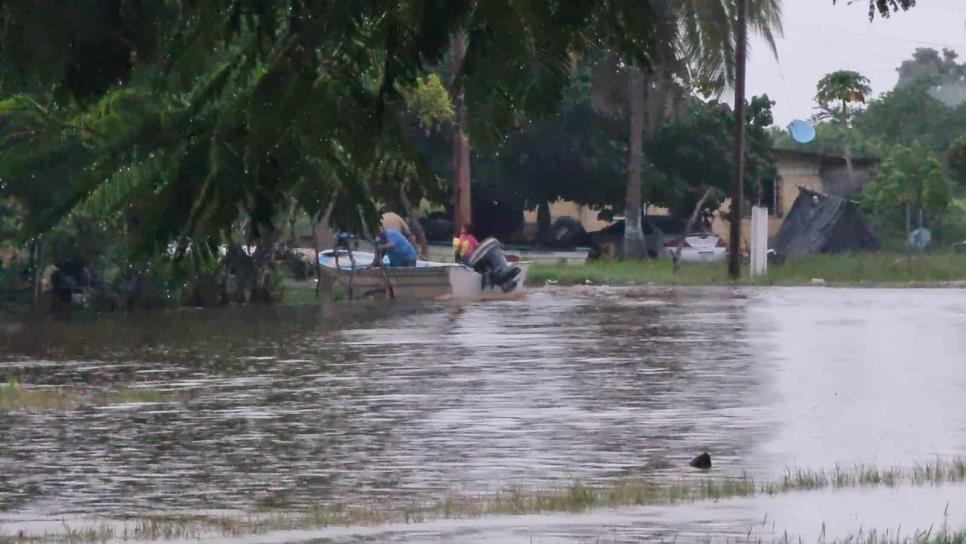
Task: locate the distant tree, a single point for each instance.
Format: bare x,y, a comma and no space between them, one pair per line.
837,95
937,74
910,180
910,116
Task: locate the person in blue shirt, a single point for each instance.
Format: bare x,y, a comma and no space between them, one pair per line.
395,245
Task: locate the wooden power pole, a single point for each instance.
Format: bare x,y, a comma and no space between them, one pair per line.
462,206
737,187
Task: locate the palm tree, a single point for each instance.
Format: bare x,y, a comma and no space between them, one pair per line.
694,50
837,92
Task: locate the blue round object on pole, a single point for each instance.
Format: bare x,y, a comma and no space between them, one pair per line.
802,131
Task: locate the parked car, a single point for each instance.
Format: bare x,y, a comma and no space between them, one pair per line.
698,248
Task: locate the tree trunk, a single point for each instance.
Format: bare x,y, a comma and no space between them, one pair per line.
262,260
697,210
543,222
634,243
37,278
317,243
413,220
737,187
908,220
292,218
462,207
848,159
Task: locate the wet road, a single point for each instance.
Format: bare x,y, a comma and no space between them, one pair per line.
391,404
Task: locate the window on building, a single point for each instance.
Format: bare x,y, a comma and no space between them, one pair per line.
771,196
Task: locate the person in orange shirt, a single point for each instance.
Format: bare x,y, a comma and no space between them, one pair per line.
465,244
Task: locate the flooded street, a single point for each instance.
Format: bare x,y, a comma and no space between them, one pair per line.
396,404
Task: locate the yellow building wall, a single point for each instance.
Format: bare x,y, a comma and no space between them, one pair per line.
721,227
563,208
795,174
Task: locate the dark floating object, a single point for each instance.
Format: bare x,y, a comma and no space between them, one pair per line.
702,461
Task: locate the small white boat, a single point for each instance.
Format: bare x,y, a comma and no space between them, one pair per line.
427,280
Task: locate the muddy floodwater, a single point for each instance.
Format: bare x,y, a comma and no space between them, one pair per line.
390,404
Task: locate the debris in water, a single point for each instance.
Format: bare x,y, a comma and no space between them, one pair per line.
702,461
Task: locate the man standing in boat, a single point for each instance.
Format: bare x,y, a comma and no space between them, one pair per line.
394,245
392,220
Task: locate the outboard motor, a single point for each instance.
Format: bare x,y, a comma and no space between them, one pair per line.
489,261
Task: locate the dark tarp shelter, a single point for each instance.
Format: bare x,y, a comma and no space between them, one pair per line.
821,223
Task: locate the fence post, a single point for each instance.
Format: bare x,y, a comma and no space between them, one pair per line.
759,241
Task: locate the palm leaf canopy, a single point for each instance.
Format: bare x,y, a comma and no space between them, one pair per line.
207,113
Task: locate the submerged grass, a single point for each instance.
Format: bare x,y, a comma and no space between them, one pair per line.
16,397
575,498
861,269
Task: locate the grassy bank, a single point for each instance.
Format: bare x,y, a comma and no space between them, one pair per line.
575,498
16,397
868,269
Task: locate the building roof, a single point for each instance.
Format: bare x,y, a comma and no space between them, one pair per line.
821,158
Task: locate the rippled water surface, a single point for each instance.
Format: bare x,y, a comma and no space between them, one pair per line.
390,403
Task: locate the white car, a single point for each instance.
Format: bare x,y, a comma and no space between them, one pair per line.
698,248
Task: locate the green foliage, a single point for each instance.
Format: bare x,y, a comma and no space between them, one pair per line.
430,102
956,157
837,91
910,116
695,153
706,31
83,241
886,7
570,156
210,113
908,177
829,140
11,218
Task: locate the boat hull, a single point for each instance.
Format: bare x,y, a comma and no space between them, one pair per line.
465,283
426,281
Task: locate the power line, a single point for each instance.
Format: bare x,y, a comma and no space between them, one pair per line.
882,54
950,8
874,36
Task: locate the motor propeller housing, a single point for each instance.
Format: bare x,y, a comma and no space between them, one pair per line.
490,262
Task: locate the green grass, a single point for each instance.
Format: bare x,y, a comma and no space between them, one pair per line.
866,269
577,497
16,397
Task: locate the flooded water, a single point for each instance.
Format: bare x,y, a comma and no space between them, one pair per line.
391,404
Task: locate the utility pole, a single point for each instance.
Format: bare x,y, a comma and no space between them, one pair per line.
737,187
462,205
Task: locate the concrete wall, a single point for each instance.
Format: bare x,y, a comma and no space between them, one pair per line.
835,178
794,173
722,227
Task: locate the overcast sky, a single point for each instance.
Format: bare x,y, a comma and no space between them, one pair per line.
821,38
